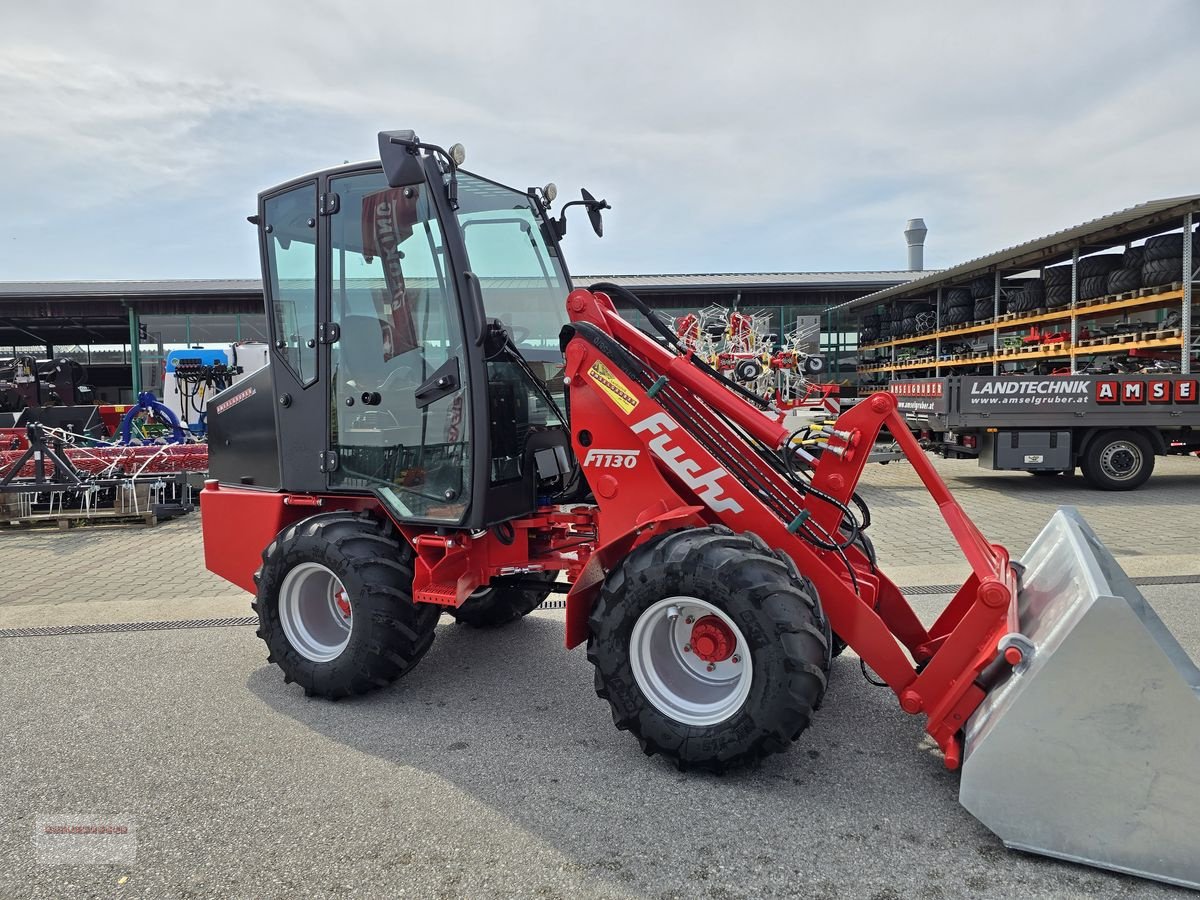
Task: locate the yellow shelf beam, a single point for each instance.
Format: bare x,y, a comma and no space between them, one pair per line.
1057,315
1056,353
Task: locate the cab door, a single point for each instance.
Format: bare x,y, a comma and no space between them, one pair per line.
288,228
401,418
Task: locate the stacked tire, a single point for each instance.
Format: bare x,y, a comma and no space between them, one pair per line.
1129,276
1162,260
1029,296
913,316
1057,280
983,290
869,332
1094,272
958,306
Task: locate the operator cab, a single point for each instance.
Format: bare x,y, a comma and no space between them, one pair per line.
415,310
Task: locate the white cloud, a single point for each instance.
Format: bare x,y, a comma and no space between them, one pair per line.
764,135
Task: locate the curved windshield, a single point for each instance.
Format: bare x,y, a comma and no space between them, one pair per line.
523,280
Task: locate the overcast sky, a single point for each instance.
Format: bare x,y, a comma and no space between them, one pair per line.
729,137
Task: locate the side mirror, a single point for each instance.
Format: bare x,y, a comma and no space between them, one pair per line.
399,152
593,209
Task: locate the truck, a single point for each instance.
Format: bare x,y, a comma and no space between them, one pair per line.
1110,427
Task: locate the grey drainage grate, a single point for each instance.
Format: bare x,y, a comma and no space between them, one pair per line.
53,630
117,627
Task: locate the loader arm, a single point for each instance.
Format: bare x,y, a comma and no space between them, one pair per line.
713,451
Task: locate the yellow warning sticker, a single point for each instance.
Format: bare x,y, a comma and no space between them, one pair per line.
612,385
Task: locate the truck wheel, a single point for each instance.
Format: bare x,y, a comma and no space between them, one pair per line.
335,606
708,648
1118,461
505,600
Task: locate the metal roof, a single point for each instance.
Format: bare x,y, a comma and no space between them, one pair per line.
751,280
131,289
1127,225
200,287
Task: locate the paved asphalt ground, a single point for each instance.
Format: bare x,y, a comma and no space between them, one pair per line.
493,770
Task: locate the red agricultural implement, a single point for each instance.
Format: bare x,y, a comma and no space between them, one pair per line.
431,436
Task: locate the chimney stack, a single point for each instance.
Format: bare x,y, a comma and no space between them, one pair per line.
915,233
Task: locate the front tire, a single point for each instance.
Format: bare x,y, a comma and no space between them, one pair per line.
335,606
1118,461
708,648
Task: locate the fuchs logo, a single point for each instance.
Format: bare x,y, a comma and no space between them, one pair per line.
706,484
612,459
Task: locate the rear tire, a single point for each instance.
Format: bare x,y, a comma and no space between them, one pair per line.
758,696
335,606
1118,461
504,601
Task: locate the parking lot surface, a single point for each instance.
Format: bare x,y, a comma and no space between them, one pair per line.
493,770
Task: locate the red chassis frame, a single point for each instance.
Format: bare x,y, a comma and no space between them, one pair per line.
650,474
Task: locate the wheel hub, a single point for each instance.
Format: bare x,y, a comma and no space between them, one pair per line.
315,612
712,639
342,602
691,661
1120,460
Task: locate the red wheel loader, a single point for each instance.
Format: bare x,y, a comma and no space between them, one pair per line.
446,426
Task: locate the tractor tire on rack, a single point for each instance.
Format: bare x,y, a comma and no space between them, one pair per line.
1158,272
505,600
1057,276
1058,296
1118,460
1096,266
1167,246
983,287
1121,280
335,605
1018,301
952,297
1093,286
1135,257
708,648
985,308
957,315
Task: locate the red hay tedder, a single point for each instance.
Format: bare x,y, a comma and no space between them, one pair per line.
417,446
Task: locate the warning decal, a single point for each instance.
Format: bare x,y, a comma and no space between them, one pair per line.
611,385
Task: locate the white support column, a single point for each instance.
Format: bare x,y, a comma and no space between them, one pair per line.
1074,300
996,324
937,331
1185,314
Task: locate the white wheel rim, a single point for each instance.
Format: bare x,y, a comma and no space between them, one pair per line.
677,681
1121,460
315,612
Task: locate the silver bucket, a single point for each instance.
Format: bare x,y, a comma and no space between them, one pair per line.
1090,751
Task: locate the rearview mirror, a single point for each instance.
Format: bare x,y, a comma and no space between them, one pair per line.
399,153
593,209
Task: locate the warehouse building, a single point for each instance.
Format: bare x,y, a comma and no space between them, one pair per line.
121,330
